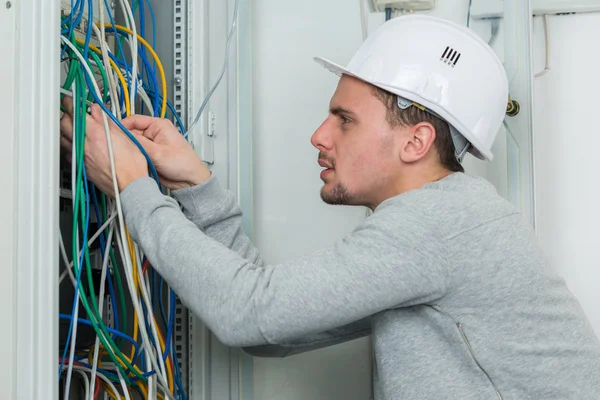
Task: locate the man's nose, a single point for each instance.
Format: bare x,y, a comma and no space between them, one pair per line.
322,138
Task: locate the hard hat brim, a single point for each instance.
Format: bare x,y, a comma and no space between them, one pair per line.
333,67
476,148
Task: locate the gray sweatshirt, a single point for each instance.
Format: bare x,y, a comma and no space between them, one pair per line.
448,280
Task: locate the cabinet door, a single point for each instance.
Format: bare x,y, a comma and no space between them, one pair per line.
506,25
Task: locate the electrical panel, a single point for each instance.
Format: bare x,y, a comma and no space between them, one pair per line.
118,319
408,5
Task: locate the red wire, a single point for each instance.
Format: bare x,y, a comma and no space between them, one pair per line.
146,264
97,391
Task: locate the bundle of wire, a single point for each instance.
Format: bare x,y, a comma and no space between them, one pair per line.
126,361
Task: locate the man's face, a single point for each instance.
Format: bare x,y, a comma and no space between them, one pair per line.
357,147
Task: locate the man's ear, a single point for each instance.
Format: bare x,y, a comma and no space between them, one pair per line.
418,141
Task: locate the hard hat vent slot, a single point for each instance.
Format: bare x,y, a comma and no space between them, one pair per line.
450,56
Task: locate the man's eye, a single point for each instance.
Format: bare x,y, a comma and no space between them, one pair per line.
345,120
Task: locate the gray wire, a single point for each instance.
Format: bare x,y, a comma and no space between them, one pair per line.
469,13
225,62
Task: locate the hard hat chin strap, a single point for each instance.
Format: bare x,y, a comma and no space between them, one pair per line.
461,144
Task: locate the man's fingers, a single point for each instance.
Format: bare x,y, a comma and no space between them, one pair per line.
138,122
66,127
149,126
67,147
148,145
67,103
136,132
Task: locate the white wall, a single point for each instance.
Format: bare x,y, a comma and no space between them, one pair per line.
567,144
291,96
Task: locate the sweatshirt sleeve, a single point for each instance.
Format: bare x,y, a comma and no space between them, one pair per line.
389,261
215,211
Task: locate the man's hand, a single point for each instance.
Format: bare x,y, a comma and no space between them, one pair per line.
176,162
130,163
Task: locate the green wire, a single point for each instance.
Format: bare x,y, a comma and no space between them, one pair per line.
98,325
104,77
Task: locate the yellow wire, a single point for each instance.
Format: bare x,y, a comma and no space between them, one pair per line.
109,391
140,384
119,74
163,110
161,341
130,242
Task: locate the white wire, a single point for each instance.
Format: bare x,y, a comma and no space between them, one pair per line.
225,62
149,308
86,382
101,376
123,385
147,283
63,253
101,303
70,94
115,106
122,242
130,23
123,250
547,39
363,19
146,99
68,263
77,292
141,91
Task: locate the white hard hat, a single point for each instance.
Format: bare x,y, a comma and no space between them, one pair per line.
442,66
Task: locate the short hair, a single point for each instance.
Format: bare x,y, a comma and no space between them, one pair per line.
411,116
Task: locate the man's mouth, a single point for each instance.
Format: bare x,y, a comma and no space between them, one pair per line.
329,168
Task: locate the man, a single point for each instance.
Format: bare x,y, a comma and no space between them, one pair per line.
445,275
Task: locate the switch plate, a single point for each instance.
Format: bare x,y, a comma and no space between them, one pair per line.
408,5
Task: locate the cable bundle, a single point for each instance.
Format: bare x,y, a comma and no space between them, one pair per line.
126,360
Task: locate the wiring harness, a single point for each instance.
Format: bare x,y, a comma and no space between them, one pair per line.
133,355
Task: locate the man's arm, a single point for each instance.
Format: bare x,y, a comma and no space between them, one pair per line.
355,330
217,214
390,261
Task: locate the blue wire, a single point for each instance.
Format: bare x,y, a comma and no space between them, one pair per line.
126,66
110,330
97,212
178,375
171,323
88,35
142,29
160,301
154,83
153,30
171,107
113,299
118,123
73,24
118,31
